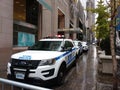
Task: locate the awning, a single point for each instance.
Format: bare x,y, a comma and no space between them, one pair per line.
45,4
75,30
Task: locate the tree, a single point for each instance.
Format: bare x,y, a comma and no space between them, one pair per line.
112,42
102,24
102,29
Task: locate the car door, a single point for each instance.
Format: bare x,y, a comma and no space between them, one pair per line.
70,56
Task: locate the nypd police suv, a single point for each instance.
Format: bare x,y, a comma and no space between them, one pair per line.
47,60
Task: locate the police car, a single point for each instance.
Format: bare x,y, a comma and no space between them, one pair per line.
47,60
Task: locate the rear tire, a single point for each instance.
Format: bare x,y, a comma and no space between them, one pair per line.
76,58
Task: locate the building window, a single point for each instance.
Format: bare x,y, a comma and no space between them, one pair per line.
25,31
61,20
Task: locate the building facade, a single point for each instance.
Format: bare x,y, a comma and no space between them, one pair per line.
23,22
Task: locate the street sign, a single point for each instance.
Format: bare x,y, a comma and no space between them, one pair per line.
118,19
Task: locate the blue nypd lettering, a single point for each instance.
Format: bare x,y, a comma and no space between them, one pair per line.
25,57
68,55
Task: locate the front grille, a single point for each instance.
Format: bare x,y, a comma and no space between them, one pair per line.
31,64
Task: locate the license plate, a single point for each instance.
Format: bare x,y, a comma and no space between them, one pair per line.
20,75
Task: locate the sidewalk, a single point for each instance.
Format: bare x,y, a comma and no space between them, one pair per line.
102,86
3,71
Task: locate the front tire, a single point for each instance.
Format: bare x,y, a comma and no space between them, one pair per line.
61,75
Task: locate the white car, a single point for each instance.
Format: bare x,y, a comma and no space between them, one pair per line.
85,46
79,47
47,60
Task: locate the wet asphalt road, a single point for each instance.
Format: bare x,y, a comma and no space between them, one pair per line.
83,75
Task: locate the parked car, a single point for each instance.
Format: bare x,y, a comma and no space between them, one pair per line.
47,60
79,47
85,46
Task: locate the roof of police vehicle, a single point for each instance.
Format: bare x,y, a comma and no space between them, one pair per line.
54,39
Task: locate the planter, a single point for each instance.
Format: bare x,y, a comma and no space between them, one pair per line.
105,71
105,62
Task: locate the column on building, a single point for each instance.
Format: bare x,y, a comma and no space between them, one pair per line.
6,29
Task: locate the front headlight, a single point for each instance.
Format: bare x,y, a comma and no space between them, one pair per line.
47,62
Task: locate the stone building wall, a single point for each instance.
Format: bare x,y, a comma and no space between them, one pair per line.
6,31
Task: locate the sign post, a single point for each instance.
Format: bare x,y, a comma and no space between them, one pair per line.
117,40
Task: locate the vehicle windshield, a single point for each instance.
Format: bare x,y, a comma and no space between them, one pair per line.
46,45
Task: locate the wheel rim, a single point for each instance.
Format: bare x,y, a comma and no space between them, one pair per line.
61,77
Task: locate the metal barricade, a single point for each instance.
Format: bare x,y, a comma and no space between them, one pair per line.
19,84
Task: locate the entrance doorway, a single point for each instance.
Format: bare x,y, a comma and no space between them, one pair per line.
61,19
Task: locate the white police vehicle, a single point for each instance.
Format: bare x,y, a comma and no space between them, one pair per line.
47,60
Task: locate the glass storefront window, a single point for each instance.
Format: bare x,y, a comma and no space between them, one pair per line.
25,39
24,34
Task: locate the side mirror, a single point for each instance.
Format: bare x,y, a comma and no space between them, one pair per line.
62,48
66,49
